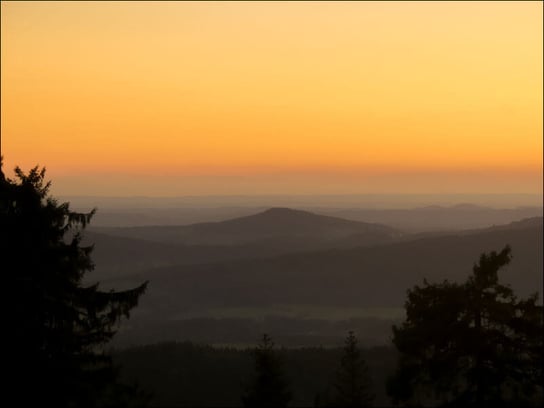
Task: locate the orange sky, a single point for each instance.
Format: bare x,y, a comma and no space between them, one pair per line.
272,97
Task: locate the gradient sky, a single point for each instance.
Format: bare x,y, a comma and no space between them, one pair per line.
122,98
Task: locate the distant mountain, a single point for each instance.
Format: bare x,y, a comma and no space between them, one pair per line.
274,232
437,218
376,276
525,223
276,225
138,217
152,212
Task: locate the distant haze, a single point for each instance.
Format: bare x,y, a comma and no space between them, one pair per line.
368,201
409,213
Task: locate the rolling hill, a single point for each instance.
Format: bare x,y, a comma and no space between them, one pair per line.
272,224
437,218
267,234
183,299
374,276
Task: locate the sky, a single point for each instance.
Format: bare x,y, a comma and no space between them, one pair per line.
222,98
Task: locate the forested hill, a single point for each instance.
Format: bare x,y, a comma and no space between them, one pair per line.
274,232
365,276
303,297
274,223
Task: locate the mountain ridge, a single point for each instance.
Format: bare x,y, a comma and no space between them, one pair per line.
363,276
273,222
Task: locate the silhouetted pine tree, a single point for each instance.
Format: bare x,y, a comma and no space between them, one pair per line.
352,386
470,345
269,387
55,324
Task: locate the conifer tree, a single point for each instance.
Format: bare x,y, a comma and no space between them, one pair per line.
56,324
352,386
470,345
269,388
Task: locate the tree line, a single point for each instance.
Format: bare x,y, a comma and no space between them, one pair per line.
462,344
351,386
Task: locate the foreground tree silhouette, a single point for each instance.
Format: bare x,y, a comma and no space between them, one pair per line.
56,324
472,344
269,387
352,387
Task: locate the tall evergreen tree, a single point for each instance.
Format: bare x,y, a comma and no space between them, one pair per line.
56,325
352,386
269,387
471,345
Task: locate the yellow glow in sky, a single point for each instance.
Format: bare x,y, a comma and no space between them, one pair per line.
180,98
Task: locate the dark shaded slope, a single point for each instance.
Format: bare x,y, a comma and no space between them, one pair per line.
120,251
117,256
377,276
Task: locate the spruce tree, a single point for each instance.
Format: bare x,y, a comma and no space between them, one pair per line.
352,386
56,325
470,345
269,389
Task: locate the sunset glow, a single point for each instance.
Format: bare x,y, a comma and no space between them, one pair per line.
168,98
